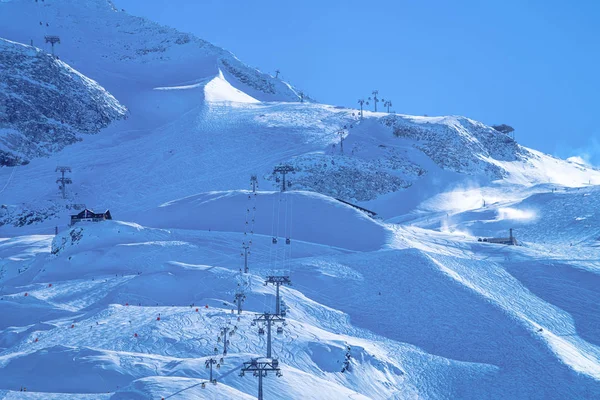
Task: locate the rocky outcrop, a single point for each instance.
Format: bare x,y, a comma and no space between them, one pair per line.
45,105
458,143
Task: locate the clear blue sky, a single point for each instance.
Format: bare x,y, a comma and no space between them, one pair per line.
533,64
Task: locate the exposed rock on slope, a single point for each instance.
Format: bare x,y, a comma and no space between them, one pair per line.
352,178
458,143
45,104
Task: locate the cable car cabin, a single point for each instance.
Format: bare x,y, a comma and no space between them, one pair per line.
89,215
261,331
279,330
288,241
274,240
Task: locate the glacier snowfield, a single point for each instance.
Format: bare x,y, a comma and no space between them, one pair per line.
132,308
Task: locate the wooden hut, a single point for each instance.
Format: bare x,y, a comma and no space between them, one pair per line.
510,240
89,215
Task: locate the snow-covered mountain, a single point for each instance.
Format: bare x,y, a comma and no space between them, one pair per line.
123,51
405,305
45,104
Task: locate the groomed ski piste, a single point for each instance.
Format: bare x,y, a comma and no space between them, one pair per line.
408,304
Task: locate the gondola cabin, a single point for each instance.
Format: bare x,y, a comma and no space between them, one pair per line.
89,215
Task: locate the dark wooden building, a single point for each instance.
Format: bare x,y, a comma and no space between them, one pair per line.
510,240
89,215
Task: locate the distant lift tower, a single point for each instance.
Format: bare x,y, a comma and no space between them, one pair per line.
269,319
341,133
278,281
283,170
246,252
240,296
254,182
63,181
224,331
260,369
209,364
52,40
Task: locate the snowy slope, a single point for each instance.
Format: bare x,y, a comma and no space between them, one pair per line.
219,144
459,318
307,216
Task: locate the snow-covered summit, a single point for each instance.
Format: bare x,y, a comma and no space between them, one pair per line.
110,45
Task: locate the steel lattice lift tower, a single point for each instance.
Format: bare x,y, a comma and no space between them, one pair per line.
341,133
246,252
278,281
209,364
260,369
224,331
268,318
283,170
63,181
239,300
375,99
52,39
